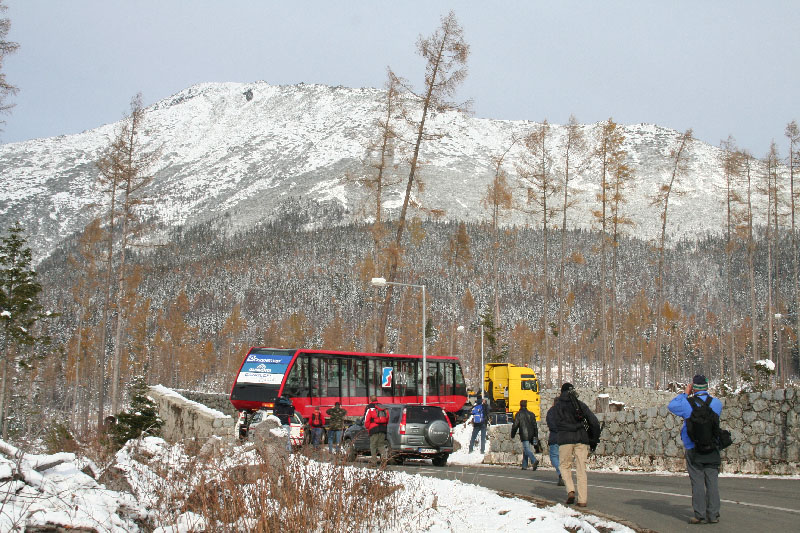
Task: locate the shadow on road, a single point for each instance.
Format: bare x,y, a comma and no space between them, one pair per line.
673,510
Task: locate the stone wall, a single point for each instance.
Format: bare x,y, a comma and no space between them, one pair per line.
765,427
186,419
218,401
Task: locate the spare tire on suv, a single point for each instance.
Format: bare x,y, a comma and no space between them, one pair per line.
437,433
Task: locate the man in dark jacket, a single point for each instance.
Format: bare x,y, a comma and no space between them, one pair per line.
284,410
572,417
525,423
552,440
703,468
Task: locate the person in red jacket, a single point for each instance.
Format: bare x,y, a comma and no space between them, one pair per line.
317,422
375,422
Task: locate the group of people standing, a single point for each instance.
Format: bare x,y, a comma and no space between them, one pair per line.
574,432
284,410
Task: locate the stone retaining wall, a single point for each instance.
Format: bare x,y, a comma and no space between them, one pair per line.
765,427
186,419
219,401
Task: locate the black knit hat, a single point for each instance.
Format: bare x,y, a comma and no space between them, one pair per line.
700,382
566,387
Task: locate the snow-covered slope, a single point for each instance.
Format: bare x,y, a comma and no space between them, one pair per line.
223,154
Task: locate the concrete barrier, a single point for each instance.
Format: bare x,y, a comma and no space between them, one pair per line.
186,419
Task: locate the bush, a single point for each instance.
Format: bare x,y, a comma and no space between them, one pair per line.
141,418
59,439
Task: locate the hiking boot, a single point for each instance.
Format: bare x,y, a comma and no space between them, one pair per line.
694,520
560,481
579,504
570,498
713,520
524,467
535,465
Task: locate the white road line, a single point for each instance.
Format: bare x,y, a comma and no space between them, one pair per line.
661,493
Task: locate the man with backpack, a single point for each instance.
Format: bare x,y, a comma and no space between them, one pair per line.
375,422
578,434
480,419
700,435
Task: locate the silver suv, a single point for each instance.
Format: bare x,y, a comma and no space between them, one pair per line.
413,431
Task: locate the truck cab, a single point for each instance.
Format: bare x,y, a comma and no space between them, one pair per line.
506,384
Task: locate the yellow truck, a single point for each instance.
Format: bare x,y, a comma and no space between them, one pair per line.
506,384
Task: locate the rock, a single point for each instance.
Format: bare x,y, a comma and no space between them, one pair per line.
114,479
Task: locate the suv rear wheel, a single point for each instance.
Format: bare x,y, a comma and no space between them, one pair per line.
440,460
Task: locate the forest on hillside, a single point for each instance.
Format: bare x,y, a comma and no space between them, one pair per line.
194,306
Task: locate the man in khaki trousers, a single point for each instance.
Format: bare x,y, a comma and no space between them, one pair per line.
574,441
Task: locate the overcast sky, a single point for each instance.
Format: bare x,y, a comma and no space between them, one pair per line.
724,67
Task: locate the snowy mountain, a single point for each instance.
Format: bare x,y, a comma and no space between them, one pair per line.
240,151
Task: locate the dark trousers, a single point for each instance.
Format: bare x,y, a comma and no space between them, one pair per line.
475,430
705,488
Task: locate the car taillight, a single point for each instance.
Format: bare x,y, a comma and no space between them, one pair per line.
403,423
448,422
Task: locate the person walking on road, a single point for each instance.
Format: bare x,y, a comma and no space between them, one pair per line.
578,432
480,420
336,416
552,440
699,434
525,423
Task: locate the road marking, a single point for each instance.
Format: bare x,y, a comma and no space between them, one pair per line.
661,493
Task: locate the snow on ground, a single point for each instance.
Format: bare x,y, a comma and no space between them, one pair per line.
65,496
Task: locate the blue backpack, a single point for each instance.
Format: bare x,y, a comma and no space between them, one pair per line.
477,414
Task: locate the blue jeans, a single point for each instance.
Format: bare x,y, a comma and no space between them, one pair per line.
475,429
316,436
527,453
334,437
553,449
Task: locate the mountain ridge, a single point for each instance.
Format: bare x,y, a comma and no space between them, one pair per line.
224,154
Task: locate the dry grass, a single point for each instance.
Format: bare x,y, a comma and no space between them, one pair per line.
286,493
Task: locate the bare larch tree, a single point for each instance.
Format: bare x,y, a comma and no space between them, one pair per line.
445,53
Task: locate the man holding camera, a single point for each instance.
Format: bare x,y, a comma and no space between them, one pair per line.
578,433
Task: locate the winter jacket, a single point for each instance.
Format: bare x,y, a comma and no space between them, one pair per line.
284,410
336,418
317,420
525,423
680,406
374,423
570,429
550,418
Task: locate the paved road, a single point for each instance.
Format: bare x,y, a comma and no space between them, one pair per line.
647,502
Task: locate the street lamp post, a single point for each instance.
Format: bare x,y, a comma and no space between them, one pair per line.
779,358
381,282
